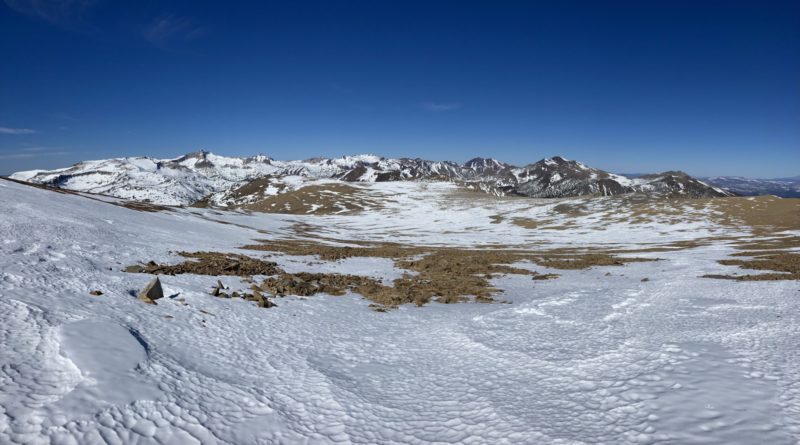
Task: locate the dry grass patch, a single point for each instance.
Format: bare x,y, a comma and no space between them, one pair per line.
765,214
143,206
331,252
320,199
785,264
210,263
443,274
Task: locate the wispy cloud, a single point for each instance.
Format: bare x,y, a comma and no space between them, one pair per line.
169,29
435,106
34,152
64,13
7,130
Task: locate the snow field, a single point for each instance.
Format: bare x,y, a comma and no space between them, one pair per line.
585,358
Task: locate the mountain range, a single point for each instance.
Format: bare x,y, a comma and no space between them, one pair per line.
783,187
204,176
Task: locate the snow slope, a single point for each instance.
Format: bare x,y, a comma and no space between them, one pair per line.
586,358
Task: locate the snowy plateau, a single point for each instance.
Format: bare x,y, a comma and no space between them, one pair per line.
378,304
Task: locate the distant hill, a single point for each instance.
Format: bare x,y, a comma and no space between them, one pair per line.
783,187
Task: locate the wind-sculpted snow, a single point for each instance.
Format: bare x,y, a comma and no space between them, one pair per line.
648,352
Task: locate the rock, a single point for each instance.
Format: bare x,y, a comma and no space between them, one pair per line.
152,292
217,289
259,298
96,293
136,268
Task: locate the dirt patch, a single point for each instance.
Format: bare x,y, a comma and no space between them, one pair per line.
142,206
585,261
320,199
210,263
256,187
769,243
528,223
786,266
765,214
307,284
331,252
446,275
572,209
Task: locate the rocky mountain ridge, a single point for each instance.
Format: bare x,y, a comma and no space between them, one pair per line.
205,176
783,187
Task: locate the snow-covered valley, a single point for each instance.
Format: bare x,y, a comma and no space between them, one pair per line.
630,352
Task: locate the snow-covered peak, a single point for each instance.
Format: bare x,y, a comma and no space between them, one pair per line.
481,164
201,175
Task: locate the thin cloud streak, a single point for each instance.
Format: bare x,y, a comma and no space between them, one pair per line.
29,154
167,29
8,130
64,13
433,106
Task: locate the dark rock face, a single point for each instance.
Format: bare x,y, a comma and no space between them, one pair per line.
548,178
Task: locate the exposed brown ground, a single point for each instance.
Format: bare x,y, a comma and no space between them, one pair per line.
769,248
765,214
449,275
767,217
256,187
143,206
445,275
320,199
786,266
210,263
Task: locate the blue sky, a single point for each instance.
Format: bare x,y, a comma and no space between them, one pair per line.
708,87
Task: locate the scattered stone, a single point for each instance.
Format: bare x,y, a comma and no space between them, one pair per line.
645,279
152,292
96,293
545,276
217,289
